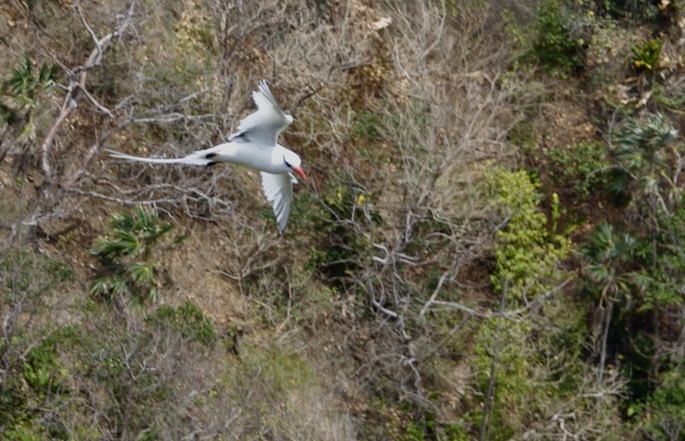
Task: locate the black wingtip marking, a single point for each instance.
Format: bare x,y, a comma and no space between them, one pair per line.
210,155
239,137
209,164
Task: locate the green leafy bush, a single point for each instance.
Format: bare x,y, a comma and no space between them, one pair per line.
24,273
32,373
126,264
523,136
365,125
670,97
535,367
344,211
579,166
512,376
643,10
553,46
527,254
42,369
663,415
188,320
646,55
529,359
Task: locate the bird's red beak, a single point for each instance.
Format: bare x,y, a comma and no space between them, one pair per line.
300,173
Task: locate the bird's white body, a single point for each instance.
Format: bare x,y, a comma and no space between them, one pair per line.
254,145
266,159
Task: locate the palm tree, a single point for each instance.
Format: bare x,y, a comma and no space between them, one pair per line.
640,153
606,254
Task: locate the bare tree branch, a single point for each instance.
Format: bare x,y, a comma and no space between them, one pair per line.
76,85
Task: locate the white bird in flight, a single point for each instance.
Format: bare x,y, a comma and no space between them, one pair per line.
255,145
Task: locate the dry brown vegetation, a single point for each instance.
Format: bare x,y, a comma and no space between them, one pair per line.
488,246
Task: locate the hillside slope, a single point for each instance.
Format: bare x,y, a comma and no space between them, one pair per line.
488,247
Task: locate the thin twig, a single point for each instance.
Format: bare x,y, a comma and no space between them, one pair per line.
605,338
487,405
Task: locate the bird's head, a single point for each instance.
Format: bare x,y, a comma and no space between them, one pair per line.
293,162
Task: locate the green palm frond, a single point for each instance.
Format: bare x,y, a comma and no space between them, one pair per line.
599,272
21,79
8,115
643,140
99,287
47,75
607,246
122,220
143,273
125,254
640,153
128,240
618,183
23,82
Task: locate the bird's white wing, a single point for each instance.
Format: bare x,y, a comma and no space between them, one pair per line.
264,125
278,188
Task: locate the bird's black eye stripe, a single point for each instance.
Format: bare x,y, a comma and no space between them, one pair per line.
287,163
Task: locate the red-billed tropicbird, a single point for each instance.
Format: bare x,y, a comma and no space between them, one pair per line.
254,145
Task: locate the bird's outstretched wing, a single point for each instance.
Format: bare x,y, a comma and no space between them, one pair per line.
278,189
264,125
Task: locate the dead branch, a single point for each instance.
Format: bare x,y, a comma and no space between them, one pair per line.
76,89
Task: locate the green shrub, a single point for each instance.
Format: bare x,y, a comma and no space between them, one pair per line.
366,125
531,358
535,365
579,166
32,372
538,367
523,136
126,264
527,255
188,320
553,46
663,415
338,246
279,372
42,369
24,432
515,363
642,10
28,274
646,55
